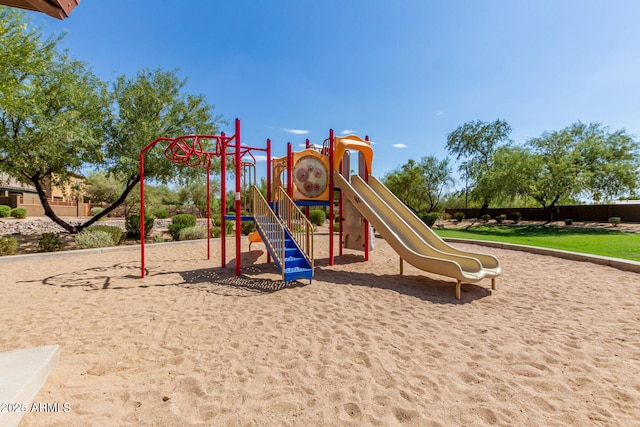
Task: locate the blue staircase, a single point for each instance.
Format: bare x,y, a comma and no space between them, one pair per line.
296,265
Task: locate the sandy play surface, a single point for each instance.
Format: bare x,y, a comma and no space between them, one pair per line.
558,343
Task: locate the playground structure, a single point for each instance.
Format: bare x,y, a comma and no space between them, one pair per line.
312,177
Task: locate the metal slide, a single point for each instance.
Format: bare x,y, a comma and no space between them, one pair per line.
412,244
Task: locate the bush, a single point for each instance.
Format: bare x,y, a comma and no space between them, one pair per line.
132,225
49,242
174,230
501,218
87,239
486,217
429,218
446,216
8,245
317,217
614,220
95,211
516,216
115,232
192,233
215,231
19,213
5,211
160,213
336,226
228,227
187,219
568,221
248,227
459,216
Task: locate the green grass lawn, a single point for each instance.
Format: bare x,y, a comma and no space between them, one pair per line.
609,243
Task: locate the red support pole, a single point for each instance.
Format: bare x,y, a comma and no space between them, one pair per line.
237,204
268,183
223,199
142,213
340,214
208,213
289,170
307,143
331,197
366,223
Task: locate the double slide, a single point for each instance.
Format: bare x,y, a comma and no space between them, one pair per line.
411,238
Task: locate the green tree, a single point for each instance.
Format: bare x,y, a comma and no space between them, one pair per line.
52,111
475,143
194,194
420,185
579,160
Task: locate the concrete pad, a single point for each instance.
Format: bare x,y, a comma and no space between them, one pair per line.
22,375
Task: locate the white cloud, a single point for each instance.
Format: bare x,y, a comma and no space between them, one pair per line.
260,158
347,131
439,113
399,146
302,145
297,131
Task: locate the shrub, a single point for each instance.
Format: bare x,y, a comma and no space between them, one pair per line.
19,212
568,221
446,216
459,216
115,232
228,227
248,227
317,217
8,245
87,239
95,211
187,219
614,220
215,231
486,217
174,230
160,213
5,211
429,218
132,225
49,242
336,226
193,233
500,218
516,216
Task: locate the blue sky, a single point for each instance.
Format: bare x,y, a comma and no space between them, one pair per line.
404,72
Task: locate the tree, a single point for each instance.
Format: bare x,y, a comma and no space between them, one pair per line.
59,118
475,143
581,159
420,185
52,111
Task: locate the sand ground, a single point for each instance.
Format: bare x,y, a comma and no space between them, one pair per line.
556,344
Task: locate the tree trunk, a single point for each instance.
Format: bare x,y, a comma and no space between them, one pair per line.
483,209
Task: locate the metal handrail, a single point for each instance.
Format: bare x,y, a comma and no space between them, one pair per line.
297,223
270,226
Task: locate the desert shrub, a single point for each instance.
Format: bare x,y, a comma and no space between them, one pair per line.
215,231
8,245
248,227
192,233
132,225
500,218
568,221
228,227
317,217
516,216
160,213
19,212
115,232
486,217
174,230
187,219
614,220
336,226
49,242
459,216
87,239
5,211
446,216
95,211
161,239
429,218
